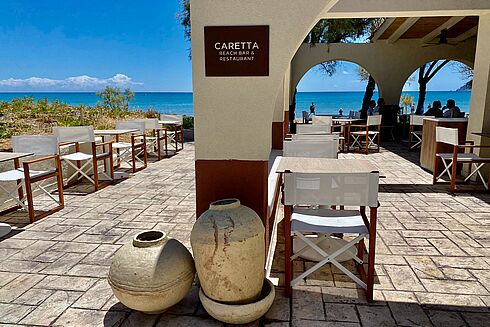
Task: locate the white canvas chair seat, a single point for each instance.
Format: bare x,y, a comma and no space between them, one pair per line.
327,221
364,133
463,157
125,145
18,174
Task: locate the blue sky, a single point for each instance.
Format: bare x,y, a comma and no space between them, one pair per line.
53,45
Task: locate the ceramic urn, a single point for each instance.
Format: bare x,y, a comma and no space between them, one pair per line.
151,273
228,246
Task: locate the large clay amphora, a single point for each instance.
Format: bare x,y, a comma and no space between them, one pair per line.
229,251
151,273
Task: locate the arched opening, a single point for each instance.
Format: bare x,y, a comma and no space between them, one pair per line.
438,80
336,87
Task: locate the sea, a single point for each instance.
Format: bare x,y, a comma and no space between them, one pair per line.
328,103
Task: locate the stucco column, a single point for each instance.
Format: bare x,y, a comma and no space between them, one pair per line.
234,115
479,120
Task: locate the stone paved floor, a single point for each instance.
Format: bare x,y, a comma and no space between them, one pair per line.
433,256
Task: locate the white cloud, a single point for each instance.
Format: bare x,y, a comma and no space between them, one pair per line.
83,82
345,72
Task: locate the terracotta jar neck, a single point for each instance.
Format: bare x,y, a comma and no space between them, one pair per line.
224,204
149,238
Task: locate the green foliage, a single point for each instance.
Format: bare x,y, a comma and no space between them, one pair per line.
188,122
115,101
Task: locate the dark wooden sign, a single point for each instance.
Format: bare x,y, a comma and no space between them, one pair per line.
236,50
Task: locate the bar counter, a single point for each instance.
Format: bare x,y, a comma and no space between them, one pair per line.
429,148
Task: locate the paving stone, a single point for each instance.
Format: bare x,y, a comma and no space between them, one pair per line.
13,313
339,295
375,316
441,299
83,318
307,302
74,247
34,296
445,318
49,310
66,283
96,297
403,278
19,285
139,319
476,319
449,286
33,250
7,277
89,271
424,267
341,312
280,309
63,264
315,323
408,314
185,321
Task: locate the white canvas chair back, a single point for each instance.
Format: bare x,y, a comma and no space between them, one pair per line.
39,145
355,189
322,120
315,137
140,126
313,129
74,134
150,123
172,117
374,120
418,120
447,135
311,149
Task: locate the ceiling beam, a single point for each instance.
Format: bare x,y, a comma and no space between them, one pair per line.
447,25
466,35
387,23
402,29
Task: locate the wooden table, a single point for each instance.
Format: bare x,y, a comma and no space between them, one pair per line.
324,165
430,147
15,156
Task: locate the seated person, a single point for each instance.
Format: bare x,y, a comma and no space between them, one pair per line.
435,110
452,110
372,106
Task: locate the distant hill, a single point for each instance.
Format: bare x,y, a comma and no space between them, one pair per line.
466,87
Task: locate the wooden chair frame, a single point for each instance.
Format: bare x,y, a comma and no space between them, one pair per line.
95,159
478,162
368,140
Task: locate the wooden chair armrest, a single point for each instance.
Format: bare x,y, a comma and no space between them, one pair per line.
68,143
138,135
473,146
29,162
362,126
104,143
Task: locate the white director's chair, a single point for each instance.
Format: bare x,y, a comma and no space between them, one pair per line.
46,149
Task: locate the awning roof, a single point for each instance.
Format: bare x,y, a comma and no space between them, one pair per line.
427,29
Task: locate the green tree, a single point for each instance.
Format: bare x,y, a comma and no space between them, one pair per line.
426,73
115,101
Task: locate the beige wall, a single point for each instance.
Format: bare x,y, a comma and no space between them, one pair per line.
390,64
479,120
234,115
